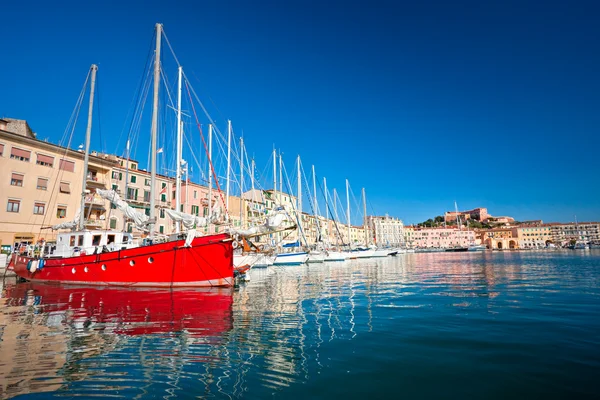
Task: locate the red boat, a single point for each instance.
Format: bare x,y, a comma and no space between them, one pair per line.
112,260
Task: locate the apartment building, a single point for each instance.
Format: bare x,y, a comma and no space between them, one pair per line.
42,184
439,237
386,230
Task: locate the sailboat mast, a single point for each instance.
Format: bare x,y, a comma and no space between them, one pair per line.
325,193
299,210
365,217
154,131
241,181
274,175
280,177
179,151
127,151
88,134
315,191
326,209
253,165
210,177
348,208
228,167
457,217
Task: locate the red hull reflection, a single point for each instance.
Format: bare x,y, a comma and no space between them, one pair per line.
199,312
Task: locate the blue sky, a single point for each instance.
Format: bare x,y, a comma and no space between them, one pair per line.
490,104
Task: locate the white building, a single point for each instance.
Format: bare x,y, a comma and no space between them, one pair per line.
386,230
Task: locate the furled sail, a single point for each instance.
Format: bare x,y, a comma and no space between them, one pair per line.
191,222
187,220
272,224
68,225
141,220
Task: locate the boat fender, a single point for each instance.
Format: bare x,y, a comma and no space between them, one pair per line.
41,264
29,265
235,244
34,265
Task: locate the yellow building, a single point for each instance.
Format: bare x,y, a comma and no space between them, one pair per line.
532,237
41,185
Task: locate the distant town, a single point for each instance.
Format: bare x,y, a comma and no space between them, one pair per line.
43,181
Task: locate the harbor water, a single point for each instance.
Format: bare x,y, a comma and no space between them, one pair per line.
435,325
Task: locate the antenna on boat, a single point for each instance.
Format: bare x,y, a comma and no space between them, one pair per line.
153,131
86,157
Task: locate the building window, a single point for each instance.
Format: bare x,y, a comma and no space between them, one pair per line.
16,179
20,154
113,223
133,166
174,194
61,212
195,210
132,193
195,194
66,165
13,206
1,149
45,160
129,228
164,185
65,188
42,184
39,208
163,197
133,179
147,211
115,187
161,229
147,196
162,212
147,182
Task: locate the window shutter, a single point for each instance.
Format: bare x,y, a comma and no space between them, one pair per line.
65,188
42,183
16,152
67,165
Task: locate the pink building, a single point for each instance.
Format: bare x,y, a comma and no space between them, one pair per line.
440,237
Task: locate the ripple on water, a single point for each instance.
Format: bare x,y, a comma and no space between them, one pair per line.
424,325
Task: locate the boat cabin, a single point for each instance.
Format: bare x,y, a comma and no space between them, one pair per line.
77,243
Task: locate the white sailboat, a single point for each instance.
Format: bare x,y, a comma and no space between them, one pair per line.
292,253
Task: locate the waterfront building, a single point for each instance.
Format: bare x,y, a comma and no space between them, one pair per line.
533,236
563,233
498,238
41,185
439,237
386,230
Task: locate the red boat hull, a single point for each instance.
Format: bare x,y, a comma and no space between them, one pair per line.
207,263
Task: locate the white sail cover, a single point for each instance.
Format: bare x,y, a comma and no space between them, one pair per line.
271,225
140,219
68,225
187,220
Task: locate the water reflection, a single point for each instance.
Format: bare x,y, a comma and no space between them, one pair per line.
289,328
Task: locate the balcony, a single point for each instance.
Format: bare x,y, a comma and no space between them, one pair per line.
92,181
95,201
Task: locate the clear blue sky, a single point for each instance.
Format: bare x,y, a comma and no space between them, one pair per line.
492,104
